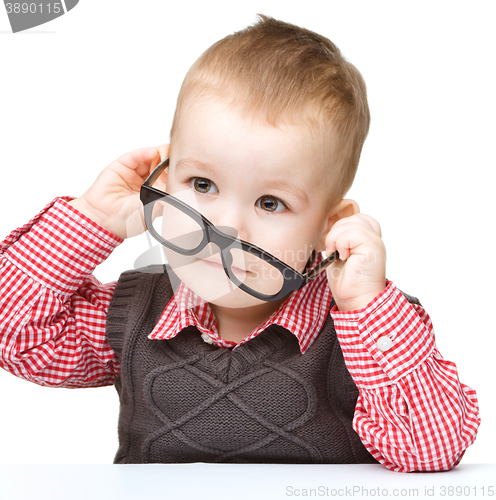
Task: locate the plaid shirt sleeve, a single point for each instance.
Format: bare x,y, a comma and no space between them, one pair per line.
52,310
412,413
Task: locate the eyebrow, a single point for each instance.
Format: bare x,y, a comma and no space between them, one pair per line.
188,162
282,185
279,184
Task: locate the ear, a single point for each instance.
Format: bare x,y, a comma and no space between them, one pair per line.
343,209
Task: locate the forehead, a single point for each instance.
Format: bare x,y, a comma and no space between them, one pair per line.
217,136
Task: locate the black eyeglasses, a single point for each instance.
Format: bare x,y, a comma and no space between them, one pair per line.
184,230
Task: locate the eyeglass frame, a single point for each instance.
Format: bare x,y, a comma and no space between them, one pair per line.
295,281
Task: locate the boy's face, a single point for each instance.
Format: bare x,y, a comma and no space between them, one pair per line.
266,183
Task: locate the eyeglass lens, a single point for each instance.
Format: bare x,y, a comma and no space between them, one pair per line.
185,233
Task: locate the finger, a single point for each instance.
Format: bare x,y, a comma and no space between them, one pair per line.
375,225
335,242
359,227
361,219
352,239
164,151
141,161
161,182
349,242
330,246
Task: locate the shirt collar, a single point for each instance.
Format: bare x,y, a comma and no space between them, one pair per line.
303,314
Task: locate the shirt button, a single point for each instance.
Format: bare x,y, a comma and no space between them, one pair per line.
384,344
207,338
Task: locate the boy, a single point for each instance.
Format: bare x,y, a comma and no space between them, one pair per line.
265,143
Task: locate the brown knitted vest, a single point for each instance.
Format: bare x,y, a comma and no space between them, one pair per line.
183,400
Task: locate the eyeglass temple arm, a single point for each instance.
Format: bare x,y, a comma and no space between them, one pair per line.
325,263
157,172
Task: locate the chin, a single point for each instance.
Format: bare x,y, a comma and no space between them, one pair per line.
212,285
236,300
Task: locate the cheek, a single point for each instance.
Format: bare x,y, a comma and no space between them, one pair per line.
292,248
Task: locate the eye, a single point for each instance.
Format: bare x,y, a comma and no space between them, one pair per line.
270,204
202,185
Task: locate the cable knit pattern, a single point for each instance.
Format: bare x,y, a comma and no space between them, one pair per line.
183,400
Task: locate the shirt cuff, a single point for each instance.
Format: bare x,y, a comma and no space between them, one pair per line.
60,247
386,340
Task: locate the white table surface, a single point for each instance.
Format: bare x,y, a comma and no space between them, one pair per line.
226,481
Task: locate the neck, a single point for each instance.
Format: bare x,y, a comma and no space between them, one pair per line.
235,324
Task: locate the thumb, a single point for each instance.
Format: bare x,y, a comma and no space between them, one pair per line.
164,151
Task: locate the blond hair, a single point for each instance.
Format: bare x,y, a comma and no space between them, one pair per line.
279,72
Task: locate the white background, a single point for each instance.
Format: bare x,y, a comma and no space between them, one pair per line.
78,92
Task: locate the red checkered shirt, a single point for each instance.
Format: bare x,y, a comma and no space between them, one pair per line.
412,411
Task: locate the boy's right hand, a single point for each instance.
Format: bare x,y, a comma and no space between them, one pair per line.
113,200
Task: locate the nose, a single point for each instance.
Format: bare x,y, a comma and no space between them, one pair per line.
231,221
230,231
214,247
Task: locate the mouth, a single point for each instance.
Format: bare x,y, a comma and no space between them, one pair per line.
218,265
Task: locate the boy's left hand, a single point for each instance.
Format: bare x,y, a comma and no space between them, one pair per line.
360,273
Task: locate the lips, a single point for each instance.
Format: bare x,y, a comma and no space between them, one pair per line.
216,264
212,263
